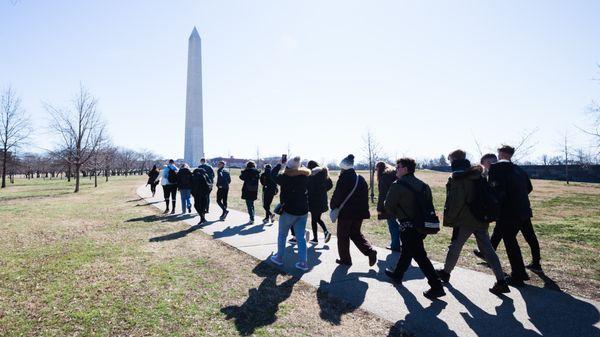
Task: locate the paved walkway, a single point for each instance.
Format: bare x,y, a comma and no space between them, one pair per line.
468,309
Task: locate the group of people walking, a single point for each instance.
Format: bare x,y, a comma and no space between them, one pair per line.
476,195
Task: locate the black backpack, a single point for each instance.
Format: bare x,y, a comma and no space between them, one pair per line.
427,222
201,182
486,204
172,176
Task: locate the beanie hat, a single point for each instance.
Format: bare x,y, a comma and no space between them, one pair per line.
294,163
347,163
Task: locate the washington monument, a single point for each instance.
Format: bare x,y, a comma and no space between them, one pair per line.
194,133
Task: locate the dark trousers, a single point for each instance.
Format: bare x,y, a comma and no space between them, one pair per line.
413,248
200,202
170,191
153,188
316,220
508,231
267,200
207,202
349,229
526,228
222,198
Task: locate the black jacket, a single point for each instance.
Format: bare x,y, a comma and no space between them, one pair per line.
513,186
357,206
318,185
269,185
152,175
209,171
250,176
184,179
383,186
294,193
223,178
200,183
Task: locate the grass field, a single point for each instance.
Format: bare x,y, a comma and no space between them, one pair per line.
566,220
83,264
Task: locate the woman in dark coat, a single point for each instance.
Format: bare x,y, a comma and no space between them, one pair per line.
250,175
386,175
318,185
269,192
153,179
201,186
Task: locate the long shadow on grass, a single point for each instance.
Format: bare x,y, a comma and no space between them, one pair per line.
261,307
180,234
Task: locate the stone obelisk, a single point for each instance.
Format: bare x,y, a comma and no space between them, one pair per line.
194,133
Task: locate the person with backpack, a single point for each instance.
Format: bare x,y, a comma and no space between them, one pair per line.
319,183
184,185
223,181
250,175
350,201
386,175
153,179
201,191
211,176
405,201
292,208
169,185
269,191
465,211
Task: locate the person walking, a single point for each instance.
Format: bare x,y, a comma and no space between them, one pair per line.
184,184
462,211
250,175
223,181
319,183
386,175
201,191
269,191
351,199
169,185
294,206
153,179
402,203
211,176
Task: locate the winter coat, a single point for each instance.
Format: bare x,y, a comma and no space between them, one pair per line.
153,177
250,176
201,188
357,207
294,193
513,186
269,186
401,202
461,191
223,178
209,171
184,179
318,185
165,175
383,185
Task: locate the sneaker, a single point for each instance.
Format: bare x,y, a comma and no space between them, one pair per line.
343,263
166,211
173,212
314,242
391,274
372,258
276,260
327,237
302,266
534,267
434,293
293,240
225,214
479,254
501,287
443,275
251,221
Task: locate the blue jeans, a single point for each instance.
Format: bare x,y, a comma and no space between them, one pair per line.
394,228
250,207
185,200
298,222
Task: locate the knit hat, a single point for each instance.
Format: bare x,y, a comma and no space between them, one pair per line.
347,163
294,163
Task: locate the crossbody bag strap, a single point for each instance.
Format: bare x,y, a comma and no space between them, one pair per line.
350,194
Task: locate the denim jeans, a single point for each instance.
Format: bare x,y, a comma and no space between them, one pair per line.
394,228
298,222
186,203
250,207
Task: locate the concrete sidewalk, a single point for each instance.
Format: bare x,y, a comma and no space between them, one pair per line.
468,309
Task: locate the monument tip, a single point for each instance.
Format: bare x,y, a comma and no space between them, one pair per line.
194,33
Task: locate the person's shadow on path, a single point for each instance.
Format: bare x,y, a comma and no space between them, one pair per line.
242,229
261,306
180,234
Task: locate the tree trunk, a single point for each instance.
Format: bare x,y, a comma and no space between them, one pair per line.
76,178
95,179
5,156
69,173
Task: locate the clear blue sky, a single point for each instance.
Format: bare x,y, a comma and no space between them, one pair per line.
424,77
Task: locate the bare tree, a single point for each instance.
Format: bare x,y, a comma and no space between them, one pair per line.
80,129
525,144
566,152
15,124
372,150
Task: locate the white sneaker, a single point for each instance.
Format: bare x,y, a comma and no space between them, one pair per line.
302,266
275,259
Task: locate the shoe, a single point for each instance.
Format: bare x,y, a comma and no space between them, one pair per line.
515,282
189,210
500,287
202,220
534,267
173,212
479,254
166,211
373,258
327,237
343,263
434,292
314,242
302,266
251,221
443,275
272,218
276,260
391,274
225,214
293,240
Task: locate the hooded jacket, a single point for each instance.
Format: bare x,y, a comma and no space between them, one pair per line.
294,189
357,207
250,176
461,191
401,202
318,185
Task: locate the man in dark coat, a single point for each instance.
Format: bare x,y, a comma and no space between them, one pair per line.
211,176
223,181
251,176
200,192
269,189
352,213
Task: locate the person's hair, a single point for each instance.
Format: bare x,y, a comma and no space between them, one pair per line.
408,163
184,165
250,164
222,162
488,156
311,164
154,167
507,149
203,160
382,167
171,161
267,166
457,155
